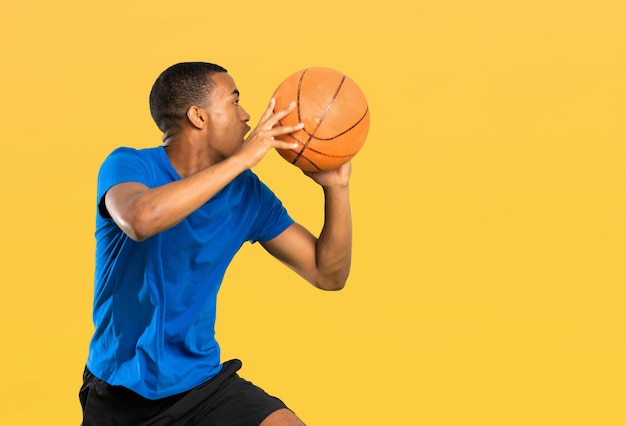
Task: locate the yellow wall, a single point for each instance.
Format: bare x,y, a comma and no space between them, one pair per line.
488,283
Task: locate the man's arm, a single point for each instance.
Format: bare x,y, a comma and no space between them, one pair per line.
323,261
142,212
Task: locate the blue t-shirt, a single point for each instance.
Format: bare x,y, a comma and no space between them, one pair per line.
154,301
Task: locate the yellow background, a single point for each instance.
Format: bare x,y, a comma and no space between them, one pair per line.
488,283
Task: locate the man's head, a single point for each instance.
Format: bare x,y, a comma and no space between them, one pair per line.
178,88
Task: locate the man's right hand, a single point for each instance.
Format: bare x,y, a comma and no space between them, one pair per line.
262,138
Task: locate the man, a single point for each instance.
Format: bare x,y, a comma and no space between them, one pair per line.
169,221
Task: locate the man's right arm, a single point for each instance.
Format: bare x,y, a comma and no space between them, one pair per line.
142,212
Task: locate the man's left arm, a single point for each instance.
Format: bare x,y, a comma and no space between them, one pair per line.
323,261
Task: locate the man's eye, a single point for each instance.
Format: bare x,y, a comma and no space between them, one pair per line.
236,102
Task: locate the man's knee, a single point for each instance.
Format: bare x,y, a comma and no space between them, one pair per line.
282,417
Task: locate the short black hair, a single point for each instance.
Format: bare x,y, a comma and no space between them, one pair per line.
179,87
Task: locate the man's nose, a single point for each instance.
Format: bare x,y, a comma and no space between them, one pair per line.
245,117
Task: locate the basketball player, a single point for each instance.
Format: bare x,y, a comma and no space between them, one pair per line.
169,221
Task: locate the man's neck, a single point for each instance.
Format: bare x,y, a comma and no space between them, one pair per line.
189,155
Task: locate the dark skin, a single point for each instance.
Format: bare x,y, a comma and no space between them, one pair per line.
208,149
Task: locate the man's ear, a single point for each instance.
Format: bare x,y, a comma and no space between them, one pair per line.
197,116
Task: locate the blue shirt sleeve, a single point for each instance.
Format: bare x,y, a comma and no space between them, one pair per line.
273,217
122,165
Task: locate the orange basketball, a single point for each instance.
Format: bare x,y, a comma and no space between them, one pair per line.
335,115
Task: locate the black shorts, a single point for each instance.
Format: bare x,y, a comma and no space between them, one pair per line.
226,399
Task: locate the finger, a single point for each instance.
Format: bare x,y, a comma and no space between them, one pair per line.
277,143
269,111
278,115
284,130
286,110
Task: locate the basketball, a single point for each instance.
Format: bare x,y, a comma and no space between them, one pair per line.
335,115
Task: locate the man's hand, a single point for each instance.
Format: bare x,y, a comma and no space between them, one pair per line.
262,138
335,177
